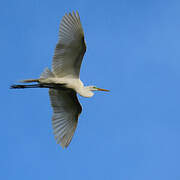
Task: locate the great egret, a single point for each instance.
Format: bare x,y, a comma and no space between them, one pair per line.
63,82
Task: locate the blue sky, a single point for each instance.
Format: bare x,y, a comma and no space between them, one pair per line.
131,133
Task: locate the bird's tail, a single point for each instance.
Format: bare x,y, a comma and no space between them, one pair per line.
45,74
29,80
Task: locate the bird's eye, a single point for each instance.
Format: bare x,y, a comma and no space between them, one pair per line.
94,87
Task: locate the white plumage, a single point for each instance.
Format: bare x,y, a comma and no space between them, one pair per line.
65,117
71,47
64,82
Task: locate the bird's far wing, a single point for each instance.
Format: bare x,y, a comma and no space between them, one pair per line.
66,109
70,48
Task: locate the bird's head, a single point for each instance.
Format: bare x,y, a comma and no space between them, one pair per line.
87,91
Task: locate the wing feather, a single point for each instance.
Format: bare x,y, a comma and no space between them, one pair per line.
66,109
70,48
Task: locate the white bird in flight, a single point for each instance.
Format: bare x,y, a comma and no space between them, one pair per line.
63,81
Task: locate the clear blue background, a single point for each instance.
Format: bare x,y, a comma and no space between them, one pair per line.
132,133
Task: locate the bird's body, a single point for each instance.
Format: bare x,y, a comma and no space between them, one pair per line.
75,84
63,81
67,82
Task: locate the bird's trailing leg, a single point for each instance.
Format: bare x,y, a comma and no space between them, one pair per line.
40,85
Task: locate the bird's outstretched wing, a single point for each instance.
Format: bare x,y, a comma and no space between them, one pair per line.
70,48
66,109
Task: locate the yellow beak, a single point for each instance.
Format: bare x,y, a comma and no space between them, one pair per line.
99,89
